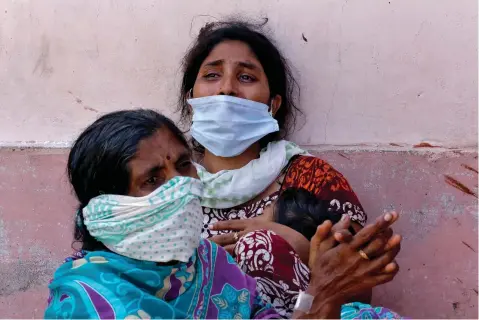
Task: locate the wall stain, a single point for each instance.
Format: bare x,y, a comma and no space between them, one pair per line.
467,245
458,185
80,101
90,109
22,275
344,156
42,64
469,168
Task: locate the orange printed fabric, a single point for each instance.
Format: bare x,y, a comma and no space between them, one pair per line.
320,178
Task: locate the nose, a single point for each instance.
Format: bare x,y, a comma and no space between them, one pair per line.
228,87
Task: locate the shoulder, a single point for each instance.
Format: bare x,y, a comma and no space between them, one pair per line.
313,173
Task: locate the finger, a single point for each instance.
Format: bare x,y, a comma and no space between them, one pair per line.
222,239
321,234
343,236
391,267
344,223
393,241
388,233
376,247
380,262
370,231
383,278
229,225
340,228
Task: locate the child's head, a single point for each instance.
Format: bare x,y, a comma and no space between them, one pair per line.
130,153
302,211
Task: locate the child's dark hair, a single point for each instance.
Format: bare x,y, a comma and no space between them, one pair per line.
98,160
300,210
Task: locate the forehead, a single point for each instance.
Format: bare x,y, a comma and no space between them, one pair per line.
232,51
156,148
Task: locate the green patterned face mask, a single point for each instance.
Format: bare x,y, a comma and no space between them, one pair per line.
162,226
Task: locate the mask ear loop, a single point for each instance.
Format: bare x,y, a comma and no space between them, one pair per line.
189,95
270,111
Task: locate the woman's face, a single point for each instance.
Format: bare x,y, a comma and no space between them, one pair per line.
233,69
158,159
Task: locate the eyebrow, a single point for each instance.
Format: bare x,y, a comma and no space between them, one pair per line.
244,64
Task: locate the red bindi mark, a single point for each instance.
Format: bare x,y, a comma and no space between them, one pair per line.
168,158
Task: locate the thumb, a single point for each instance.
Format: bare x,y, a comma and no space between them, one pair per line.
321,234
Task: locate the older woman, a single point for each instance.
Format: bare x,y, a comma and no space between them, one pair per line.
238,94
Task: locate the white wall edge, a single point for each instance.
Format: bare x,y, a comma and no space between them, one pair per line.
317,148
36,144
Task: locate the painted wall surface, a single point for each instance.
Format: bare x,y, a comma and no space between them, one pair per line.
371,71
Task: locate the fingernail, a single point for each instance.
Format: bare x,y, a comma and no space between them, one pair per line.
388,217
211,226
344,217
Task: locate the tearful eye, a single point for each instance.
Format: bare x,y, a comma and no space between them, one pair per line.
246,78
211,76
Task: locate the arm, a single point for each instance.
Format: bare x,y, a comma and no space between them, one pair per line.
295,239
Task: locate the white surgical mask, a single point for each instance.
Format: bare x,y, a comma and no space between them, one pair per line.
162,226
227,126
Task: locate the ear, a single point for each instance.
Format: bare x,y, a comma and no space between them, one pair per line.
276,103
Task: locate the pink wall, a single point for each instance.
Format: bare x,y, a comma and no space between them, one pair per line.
371,71
438,277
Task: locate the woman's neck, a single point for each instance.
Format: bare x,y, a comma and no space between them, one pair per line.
214,164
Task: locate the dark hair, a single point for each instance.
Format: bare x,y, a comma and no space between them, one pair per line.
280,78
98,160
300,210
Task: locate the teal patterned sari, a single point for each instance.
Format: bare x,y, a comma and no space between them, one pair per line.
105,285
